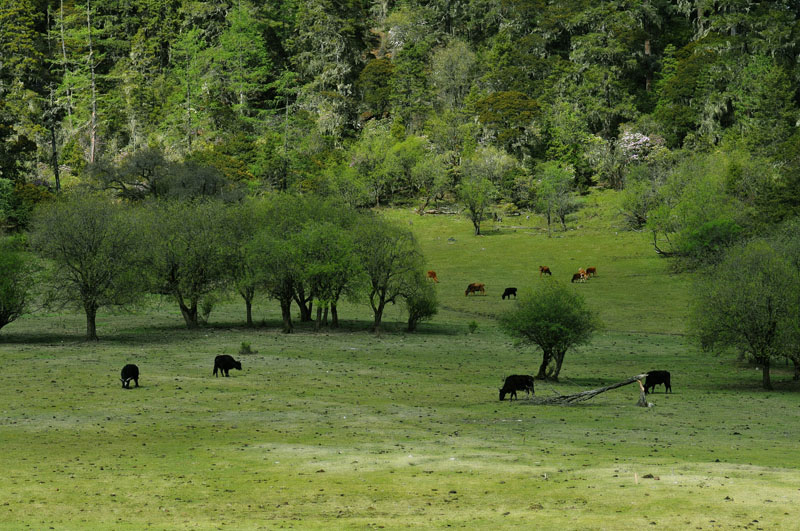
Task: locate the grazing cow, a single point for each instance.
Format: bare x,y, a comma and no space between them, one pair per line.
129,372
509,292
544,270
432,276
591,271
224,363
514,383
657,377
580,277
475,287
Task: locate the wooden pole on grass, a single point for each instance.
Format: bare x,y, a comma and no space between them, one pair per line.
586,395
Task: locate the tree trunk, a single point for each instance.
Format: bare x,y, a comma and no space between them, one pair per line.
93,117
477,225
248,293
318,322
765,375
189,312
305,305
543,367
334,316
91,321
548,223
378,313
796,369
643,397
559,360
586,395
286,314
66,69
54,156
188,110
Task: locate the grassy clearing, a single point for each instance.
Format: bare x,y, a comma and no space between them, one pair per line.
347,430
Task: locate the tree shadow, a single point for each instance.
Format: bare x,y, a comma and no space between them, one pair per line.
166,332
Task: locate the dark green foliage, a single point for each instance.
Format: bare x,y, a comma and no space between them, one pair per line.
16,281
17,201
374,85
508,117
15,148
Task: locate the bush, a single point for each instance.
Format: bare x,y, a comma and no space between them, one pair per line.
421,303
246,349
708,241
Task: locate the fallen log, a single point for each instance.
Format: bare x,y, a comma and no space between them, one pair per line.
586,395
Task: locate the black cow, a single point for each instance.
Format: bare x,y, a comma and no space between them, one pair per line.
129,372
223,363
509,292
514,383
657,377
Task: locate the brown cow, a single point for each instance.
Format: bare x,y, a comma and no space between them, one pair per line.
544,270
591,271
580,277
475,287
582,271
432,276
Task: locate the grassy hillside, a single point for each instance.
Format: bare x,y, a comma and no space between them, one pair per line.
343,429
634,291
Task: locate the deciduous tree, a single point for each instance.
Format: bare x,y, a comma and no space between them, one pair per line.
553,317
94,248
753,312
391,259
187,255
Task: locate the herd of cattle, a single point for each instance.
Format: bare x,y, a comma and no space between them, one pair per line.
516,382
524,382
479,287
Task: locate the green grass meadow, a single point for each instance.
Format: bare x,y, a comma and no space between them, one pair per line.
347,430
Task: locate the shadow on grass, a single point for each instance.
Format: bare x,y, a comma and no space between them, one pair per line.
169,332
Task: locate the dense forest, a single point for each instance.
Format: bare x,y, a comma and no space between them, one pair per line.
689,107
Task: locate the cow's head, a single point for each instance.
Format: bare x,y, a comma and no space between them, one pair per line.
502,394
